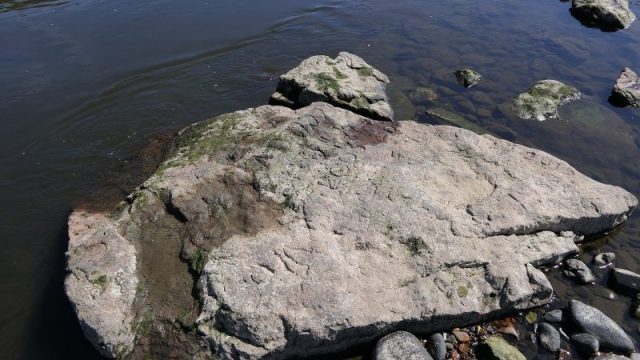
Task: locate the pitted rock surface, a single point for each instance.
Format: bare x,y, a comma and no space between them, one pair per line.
317,229
346,81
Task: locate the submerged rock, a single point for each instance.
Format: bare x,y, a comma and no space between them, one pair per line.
422,95
401,345
608,15
586,344
626,280
542,100
604,259
549,337
286,218
626,91
467,77
578,271
346,81
496,348
447,117
593,321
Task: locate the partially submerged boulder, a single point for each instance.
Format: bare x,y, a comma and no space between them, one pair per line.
346,81
467,77
285,220
542,99
626,91
608,15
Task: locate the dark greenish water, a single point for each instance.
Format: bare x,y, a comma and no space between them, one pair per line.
87,86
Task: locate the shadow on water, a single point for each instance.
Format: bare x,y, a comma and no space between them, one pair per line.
54,323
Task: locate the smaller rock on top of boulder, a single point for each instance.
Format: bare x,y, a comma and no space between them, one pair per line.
346,81
608,15
401,345
604,259
578,271
542,99
626,91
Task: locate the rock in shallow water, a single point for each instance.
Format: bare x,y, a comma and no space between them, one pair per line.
626,280
586,344
549,337
553,316
290,216
578,271
542,100
626,91
608,15
593,321
604,259
346,81
401,345
467,77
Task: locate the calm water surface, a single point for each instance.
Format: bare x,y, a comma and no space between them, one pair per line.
87,86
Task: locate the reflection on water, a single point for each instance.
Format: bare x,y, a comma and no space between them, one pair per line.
89,85
14,5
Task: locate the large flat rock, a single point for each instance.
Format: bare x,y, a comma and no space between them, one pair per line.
280,233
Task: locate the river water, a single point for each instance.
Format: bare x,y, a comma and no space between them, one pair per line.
88,86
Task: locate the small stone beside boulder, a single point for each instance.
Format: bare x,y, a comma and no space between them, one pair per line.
549,337
604,259
586,344
401,345
626,91
347,82
541,101
608,15
437,347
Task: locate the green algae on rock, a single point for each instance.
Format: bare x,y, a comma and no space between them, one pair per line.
542,100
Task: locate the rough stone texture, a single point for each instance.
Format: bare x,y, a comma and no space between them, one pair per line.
289,218
359,207
604,259
608,15
497,348
626,91
579,271
346,81
401,345
102,282
316,203
610,356
586,344
542,100
549,337
593,321
437,346
626,280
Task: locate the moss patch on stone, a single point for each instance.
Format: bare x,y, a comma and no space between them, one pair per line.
326,82
365,72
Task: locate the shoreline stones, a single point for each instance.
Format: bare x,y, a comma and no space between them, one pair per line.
401,345
553,316
346,81
586,344
264,232
608,15
437,346
542,99
609,334
467,77
626,91
578,271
